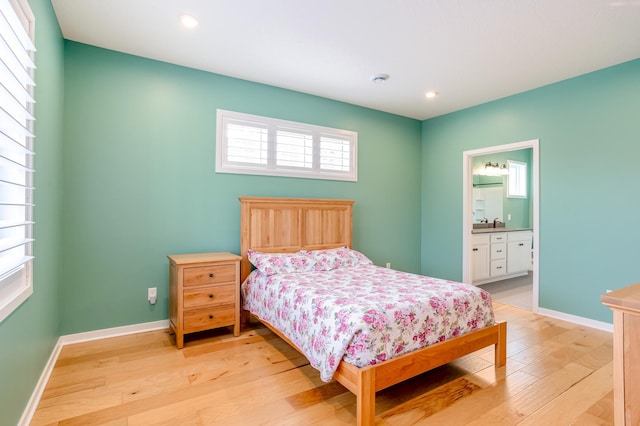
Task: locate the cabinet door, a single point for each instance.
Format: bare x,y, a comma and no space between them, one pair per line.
519,258
480,262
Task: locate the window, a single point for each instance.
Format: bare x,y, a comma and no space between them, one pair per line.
517,180
250,144
16,154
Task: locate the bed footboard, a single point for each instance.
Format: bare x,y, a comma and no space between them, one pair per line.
366,381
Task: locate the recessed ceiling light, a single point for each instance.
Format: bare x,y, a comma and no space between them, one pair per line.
379,78
188,21
431,94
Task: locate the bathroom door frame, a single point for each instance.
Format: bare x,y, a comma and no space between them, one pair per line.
467,203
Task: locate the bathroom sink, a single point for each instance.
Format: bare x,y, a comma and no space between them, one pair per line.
482,225
488,225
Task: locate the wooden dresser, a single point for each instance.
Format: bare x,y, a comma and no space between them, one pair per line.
625,303
204,293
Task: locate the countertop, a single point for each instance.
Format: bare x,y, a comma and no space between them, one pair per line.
492,230
626,298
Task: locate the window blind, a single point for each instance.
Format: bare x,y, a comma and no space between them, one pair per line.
294,149
335,154
251,144
16,153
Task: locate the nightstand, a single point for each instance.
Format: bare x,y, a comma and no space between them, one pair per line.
204,293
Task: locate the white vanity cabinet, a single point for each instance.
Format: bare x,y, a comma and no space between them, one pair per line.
519,249
500,255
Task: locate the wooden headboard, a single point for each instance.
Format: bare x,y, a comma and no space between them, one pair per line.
286,225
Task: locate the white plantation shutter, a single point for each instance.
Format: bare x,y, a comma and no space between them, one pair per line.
247,143
16,154
251,144
335,153
294,149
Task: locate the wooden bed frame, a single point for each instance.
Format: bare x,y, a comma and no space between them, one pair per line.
286,225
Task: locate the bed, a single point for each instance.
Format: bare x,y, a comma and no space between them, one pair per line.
294,225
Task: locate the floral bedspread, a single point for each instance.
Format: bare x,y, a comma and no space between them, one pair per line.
364,314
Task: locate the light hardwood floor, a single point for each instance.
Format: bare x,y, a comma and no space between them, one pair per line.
557,373
513,291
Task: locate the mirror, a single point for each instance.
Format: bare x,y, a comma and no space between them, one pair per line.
487,204
490,200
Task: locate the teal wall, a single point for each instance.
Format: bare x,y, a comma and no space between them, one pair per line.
140,179
30,333
588,129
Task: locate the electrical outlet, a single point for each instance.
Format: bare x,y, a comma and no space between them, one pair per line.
152,295
388,265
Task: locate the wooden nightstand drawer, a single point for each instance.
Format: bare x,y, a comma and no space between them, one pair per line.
204,319
209,296
214,274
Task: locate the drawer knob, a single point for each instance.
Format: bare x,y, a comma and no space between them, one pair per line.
210,316
475,249
211,296
210,275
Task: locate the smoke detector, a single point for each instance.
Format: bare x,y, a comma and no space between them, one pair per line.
379,78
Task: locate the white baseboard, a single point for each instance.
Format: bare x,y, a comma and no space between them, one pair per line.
30,409
114,332
576,319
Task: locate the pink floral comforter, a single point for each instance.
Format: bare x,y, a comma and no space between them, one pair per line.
364,314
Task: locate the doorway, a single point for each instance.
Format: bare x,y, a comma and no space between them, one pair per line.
467,208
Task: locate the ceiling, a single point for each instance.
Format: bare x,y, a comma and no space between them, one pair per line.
469,51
